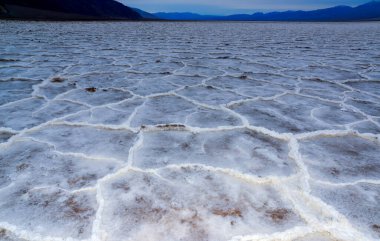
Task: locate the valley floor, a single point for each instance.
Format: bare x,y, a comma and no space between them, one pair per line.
189,131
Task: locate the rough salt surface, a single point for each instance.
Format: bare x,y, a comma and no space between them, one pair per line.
189,131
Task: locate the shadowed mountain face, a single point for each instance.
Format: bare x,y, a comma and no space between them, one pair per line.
66,10
368,11
146,15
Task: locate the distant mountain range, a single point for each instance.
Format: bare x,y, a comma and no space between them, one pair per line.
368,11
67,10
114,10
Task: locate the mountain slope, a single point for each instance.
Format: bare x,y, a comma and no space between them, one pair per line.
145,15
66,10
368,11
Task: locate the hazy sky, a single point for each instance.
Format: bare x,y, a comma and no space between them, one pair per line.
234,6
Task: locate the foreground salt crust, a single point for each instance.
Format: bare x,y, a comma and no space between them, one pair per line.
189,131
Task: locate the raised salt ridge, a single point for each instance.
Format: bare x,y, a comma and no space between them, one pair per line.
187,131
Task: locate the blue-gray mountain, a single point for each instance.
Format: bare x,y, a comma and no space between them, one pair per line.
368,11
114,10
66,10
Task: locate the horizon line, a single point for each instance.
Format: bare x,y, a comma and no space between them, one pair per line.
247,12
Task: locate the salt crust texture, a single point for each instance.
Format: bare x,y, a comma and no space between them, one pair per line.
189,131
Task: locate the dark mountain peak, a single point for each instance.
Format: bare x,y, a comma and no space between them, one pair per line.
67,9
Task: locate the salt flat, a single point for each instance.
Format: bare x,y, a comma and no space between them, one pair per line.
113,131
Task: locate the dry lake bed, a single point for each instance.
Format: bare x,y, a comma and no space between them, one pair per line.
168,131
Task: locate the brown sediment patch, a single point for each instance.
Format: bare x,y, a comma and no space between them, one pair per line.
334,171
57,80
194,222
171,126
78,180
8,60
185,146
91,89
192,219
243,76
75,208
376,228
229,212
316,80
123,186
3,232
278,215
22,167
